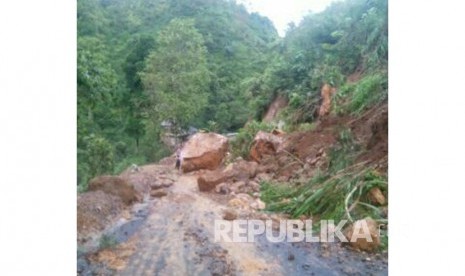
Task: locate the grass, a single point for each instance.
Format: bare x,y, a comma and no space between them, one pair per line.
368,91
357,97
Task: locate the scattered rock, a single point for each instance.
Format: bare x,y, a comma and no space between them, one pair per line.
241,172
158,193
117,186
362,243
258,204
263,177
222,189
229,214
161,182
244,170
241,201
237,186
204,151
210,179
255,186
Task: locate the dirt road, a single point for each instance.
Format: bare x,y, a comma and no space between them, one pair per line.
174,235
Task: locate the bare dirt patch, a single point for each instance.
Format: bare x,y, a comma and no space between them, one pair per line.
95,210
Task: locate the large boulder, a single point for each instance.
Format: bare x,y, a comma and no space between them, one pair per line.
264,144
117,186
204,151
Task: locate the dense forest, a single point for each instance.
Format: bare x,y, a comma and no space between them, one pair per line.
210,64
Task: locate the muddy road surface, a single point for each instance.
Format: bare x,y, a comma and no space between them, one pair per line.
174,235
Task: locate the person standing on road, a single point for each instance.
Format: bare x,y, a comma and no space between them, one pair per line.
179,158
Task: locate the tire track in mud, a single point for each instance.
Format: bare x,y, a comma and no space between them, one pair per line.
177,238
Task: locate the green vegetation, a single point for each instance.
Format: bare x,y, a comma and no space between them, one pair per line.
356,98
348,37
141,62
340,192
242,142
176,76
212,65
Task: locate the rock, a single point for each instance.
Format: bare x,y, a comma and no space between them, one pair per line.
204,151
278,132
238,203
263,177
376,196
210,179
158,193
255,186
258,204
237,186
117,186
241,171
244,170
362,243
222,189
241,201
229,214
264,144
327,91
313,161
244,197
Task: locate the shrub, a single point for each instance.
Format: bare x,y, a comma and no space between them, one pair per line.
100,154
243,140
342,195
96,158
368,91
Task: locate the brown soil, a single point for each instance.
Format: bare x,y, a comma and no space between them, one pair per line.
371,130
356,75
302,152
277,105
95,210
117,257
145,175
117,186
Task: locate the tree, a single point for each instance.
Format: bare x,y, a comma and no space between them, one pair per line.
176,76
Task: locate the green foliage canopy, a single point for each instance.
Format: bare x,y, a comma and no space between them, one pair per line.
176,75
